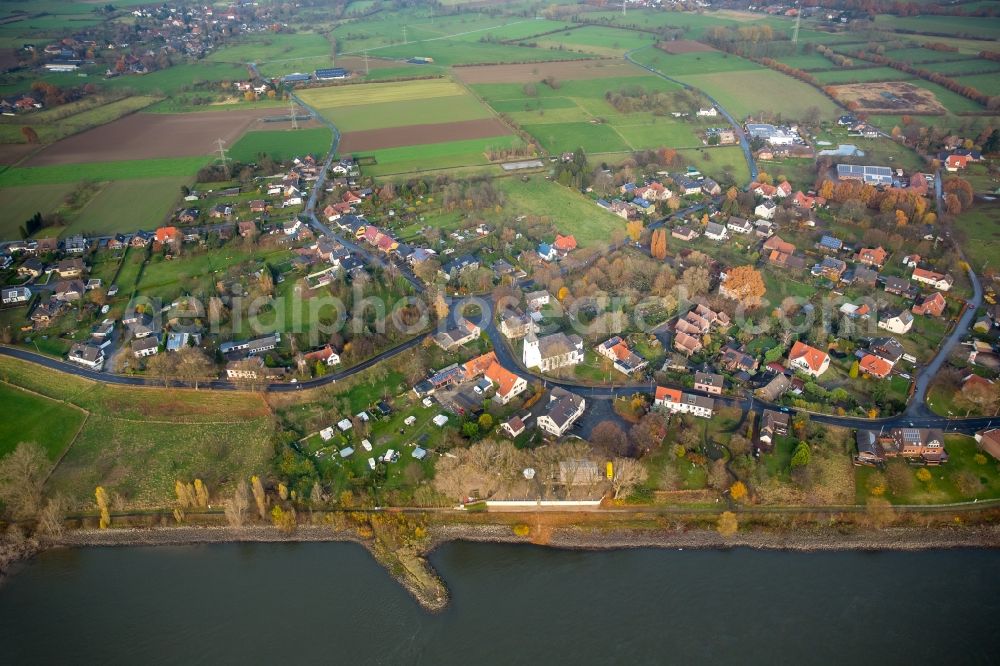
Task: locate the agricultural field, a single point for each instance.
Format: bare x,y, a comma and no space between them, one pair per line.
20,203
456,52
861,75
535,72
413,135
372,106
281,144
53,124
278,54
972,66
695,62
721,163
181,78
150,136
435,156
128,205
35,418
603,41
958,26
750,92
985,83
101,171
575,113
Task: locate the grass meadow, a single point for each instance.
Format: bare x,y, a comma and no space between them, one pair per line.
430,157
35,418
281,144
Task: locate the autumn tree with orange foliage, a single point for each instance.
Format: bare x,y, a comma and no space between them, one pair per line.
658,244
745,284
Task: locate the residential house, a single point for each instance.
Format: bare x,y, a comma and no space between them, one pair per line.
956,162
141,239
653,192
777,387
709,382
773,424
677,402
872,256
897,322
875,366
250,347
739,225
684,233
513,426
715,231
70,268
456,267
765,209
552,351
899,286
830,268
888,348
13,295
87,354
69,290
457,336
31,268
515,325
710,187
148,346
687,344
864,277
536,300
687,185
324,355
564,244
45,313
166,235
561,412
939,281
989,441
807,201
780,253
188,216
830,244
75,244
930,306
808,359
733,359
508,385
852,311
547,252
923,444
624,359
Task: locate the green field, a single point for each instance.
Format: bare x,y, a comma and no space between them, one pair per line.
457,52
268,48
435,156
722,163
688,64
178,167
861,75
567,209
984,83
54,124
180,78
281,144
129,205
593,138
920,56
598,40
979,229
746,93
381,105
973,66
20,203
34,418
953,25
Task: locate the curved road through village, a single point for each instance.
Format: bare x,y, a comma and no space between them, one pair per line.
916,413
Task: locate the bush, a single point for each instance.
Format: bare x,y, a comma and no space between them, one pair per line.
923,474
521,530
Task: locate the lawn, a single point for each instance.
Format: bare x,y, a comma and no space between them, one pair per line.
34,418
962,479
128,205
435,156
179,167
750,92
568,210
722,163
281,144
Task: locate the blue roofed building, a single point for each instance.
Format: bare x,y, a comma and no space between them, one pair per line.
546,251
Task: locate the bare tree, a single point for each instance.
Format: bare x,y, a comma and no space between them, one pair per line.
51,519
628,473
239,503
22,474
259,496
194,365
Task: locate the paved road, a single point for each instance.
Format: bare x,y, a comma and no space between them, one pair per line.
917,405
737,126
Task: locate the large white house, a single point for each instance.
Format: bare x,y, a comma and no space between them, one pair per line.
677,402
808,359
562,411
552,351
88,355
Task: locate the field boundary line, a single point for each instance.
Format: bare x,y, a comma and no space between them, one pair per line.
72,443
47,397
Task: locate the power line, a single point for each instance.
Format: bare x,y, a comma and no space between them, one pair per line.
293,113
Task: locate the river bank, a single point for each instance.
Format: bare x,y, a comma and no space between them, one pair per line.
412,570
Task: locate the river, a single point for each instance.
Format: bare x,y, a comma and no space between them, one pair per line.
331,603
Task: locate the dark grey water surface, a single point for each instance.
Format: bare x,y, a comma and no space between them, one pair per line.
331,603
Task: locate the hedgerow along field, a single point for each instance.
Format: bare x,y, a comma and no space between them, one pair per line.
34,418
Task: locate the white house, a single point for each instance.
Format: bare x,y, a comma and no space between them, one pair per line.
808,359
739,225
897,323
936,280
716,232
15,295
561,412
677,402
765,210
88,355
143,347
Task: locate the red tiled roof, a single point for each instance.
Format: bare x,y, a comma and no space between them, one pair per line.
813,357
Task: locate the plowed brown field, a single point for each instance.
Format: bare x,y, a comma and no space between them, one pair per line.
144,136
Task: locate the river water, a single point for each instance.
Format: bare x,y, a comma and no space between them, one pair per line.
331,603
